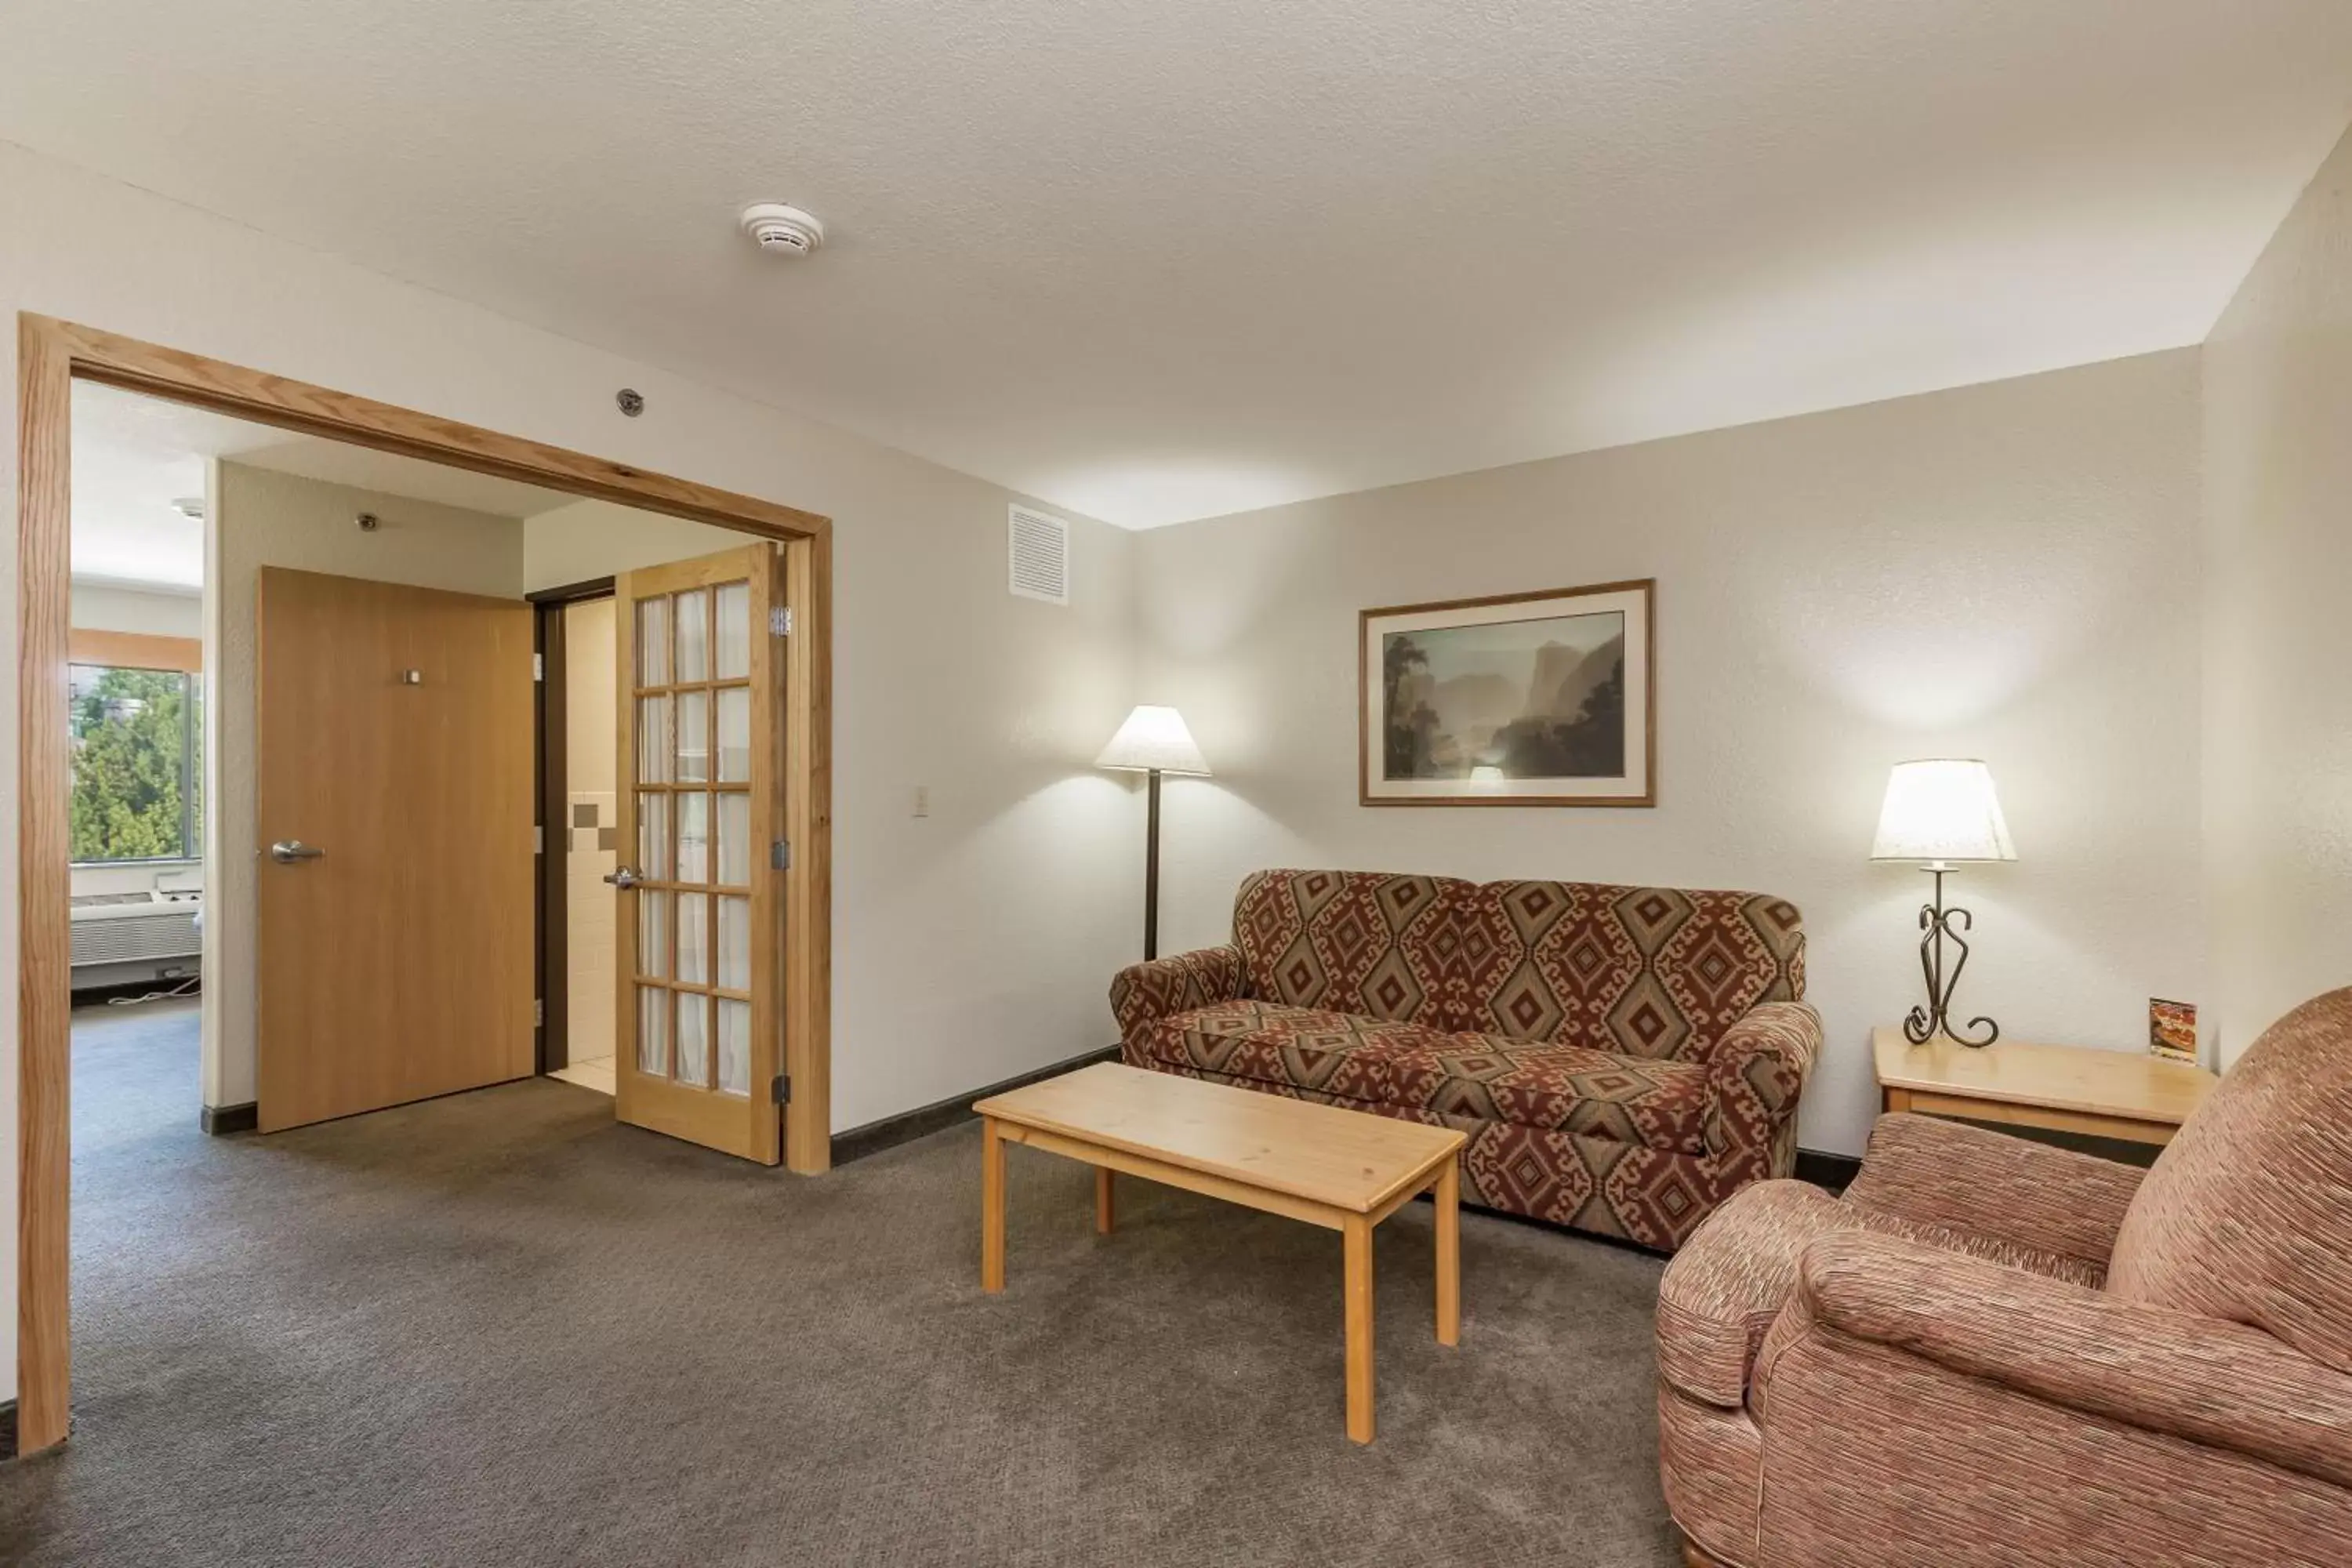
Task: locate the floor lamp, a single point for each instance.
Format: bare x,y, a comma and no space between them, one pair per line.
1153,741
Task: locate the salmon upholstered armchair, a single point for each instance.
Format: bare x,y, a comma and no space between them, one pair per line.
1992,1352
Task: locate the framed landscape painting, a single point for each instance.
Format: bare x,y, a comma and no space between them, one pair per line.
1521,699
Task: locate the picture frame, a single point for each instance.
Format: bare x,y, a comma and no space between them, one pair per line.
1537,699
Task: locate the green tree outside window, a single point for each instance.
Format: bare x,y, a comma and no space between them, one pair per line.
135,737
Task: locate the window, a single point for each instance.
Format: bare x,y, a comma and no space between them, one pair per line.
137,736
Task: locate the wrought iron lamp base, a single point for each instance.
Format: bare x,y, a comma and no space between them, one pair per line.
1939,922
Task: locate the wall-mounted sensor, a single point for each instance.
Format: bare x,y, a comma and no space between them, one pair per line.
368,522
630,401
190,507
781,230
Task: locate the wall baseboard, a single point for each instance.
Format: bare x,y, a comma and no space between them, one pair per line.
219,1120
921,1122
1825,1170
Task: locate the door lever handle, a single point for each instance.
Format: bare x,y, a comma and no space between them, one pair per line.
624,878
286,851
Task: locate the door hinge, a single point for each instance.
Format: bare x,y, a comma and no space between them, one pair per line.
779,621
539,1013
780,855
537,839
779,1089
539,667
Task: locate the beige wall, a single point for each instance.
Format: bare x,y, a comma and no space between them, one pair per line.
2004,572
102,607
260,518
593,538
2278,634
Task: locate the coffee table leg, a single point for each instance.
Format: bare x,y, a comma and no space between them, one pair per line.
991,1206
1449,1253
1358,1235
1102,1200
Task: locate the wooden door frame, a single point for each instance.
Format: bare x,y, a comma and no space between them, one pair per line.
50,356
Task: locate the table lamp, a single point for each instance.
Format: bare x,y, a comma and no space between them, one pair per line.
1938,811
1153,741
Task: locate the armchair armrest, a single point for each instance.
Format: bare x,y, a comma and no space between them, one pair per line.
2204,1379
1142,994
1992,1185
1755,1076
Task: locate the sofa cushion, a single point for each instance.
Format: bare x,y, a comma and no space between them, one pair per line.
1729,1281
1659,1105
1341,1054
1381,944
1660,972
1412,1066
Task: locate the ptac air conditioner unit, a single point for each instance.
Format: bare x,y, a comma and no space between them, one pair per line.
129,939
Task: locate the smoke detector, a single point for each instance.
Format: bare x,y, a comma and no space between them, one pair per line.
781,230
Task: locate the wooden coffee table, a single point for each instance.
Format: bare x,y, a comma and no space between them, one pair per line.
1343,1169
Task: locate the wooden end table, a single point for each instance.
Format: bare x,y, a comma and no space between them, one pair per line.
1343,1169
2127,1095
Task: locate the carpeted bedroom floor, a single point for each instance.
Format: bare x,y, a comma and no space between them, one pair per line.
498,1329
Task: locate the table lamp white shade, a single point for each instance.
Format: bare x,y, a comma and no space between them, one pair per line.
1154,739
1942,808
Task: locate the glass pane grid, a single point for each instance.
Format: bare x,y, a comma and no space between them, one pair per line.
692,661
653,642
693,1040
693,736
735,1047
693,687
731,631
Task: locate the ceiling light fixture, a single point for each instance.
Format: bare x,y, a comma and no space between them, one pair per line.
190,507
783,230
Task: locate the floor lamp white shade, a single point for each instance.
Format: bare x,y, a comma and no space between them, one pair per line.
1153,741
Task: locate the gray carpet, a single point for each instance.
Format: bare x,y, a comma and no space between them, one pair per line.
499,1330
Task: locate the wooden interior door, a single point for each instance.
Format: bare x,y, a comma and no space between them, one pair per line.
393,883
698,1018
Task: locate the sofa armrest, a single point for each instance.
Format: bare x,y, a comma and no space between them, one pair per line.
1992,1185
1755,1076
2204,1379
1142,994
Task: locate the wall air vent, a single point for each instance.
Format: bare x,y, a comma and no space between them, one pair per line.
1040,550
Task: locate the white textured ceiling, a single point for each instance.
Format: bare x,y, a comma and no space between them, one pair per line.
1154,261
134,455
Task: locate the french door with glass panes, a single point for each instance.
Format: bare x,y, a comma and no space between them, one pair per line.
698,956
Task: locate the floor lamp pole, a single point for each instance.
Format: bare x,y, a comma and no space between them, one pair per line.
1151,870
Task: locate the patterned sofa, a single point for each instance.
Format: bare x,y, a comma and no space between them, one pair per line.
1991,1352
1623,1060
